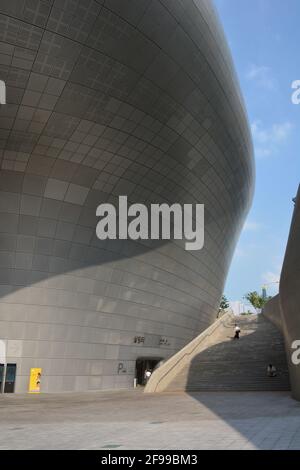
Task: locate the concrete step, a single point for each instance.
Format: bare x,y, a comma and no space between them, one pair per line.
228,364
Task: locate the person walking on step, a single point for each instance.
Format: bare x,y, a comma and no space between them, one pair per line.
271,371
148,374
237,331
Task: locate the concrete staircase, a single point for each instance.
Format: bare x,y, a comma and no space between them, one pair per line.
240,365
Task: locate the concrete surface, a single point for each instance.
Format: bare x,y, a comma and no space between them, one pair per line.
216,362
133,420
272,311
283,310
164,375
289,292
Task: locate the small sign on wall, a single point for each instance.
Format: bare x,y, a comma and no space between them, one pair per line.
35,380
2,351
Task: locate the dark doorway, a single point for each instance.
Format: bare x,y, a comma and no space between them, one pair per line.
1,376
10,378
142,365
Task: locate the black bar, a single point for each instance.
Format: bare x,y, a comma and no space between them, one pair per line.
146,459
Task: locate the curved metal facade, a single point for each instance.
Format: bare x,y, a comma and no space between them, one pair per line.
106,98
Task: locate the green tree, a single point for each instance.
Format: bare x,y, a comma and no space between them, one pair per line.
257,300
224,304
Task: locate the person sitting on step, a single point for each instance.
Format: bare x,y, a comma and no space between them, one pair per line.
271,370
237,332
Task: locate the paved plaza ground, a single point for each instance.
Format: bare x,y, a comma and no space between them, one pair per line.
133,420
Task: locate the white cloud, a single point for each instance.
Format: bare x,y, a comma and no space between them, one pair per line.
280,132
267,140
270,277
239,253
251,226
261,75
245,250
271,280
261,152
275,134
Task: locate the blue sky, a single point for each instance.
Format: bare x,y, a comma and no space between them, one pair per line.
264,38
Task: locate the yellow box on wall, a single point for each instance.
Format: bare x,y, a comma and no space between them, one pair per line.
35,380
